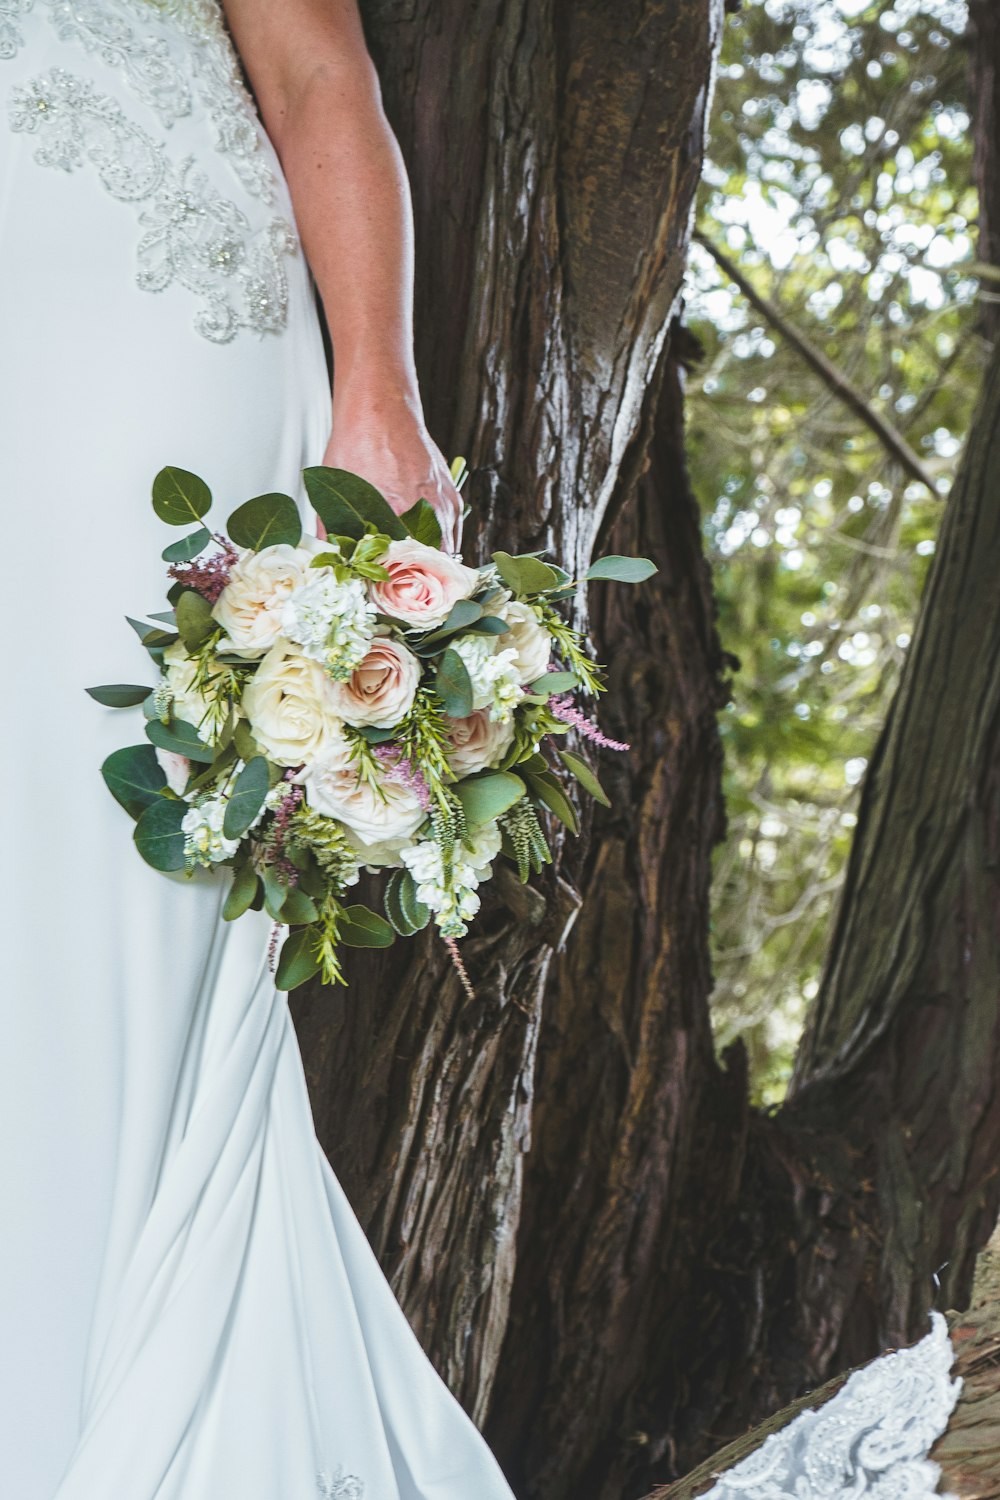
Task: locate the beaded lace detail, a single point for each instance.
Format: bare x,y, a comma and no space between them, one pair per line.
871,1439
158,79
192,235
339,1486
11,35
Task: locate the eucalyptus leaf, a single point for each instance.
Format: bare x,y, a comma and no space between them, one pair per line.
181,737
621,569
246,746
180,497
405,912
298,907
525,574
463,613
375,735
134,777
346,503
188,547
158,835
298,960
275,891
585,776
241,892
453,685
360,927
545,787
119,694
421,521
554,682
265,521
246,798
487,794
194,619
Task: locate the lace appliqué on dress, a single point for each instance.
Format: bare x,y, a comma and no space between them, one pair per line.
339,1486
193,236
160,80
872,1438
11,36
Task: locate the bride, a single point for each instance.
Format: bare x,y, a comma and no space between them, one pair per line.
188,1306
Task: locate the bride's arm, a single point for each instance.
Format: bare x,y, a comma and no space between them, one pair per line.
320,101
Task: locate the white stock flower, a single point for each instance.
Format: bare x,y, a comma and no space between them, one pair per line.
289,703
493,673
454,902
204,841
332,621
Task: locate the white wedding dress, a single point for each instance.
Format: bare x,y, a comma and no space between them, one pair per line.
189,1309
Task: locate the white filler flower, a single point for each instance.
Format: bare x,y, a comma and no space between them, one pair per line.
332,622
204,841
454,903
494,674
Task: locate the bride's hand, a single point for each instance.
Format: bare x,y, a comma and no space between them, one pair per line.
394,451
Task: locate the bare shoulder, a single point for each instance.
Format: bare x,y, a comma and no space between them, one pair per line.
285,43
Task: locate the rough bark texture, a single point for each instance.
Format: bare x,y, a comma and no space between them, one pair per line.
664,1267
554,153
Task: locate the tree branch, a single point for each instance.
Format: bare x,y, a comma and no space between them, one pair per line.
889,436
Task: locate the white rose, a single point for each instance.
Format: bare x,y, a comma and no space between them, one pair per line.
290,706
189,704
249,607
423,584
378,822
381,689
478,741
529,638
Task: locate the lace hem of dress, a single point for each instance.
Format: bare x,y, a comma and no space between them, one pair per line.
192,235
872,1438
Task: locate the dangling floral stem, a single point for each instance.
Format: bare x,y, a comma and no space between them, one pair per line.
460,968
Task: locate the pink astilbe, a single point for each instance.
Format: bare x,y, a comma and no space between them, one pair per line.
398,767
564,708
461,970
207,576
272,947
279,829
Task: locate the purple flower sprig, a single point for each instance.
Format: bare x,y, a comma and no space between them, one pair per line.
564,708
279,830
207,576
401,769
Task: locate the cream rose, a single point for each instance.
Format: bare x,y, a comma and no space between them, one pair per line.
478,741
423,584
528,637
189,704
379,822
290,706
380,690
249,607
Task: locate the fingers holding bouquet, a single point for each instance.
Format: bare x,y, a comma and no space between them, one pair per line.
402,461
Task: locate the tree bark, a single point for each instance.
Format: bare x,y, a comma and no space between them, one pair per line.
554,153
613,1260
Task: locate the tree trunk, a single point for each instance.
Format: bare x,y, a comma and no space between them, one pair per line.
554,153
664,1266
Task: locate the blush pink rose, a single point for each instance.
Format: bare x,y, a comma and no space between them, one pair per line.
423,584
381,689
477,741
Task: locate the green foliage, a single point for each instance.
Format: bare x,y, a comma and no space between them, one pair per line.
840,181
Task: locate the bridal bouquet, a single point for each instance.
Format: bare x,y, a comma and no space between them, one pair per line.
367,700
